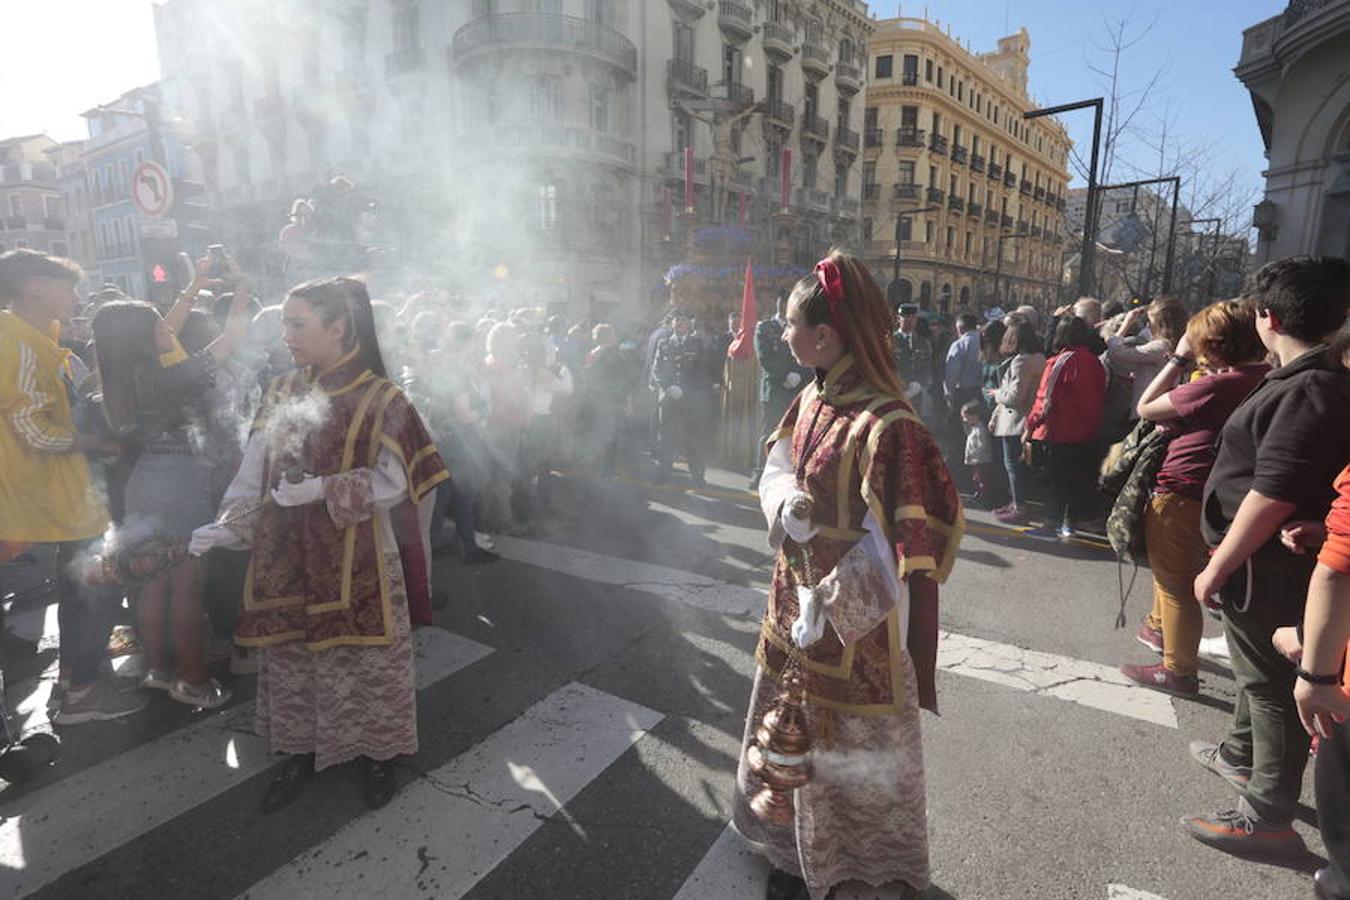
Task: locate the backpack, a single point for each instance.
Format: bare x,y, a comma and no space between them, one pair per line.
1131,480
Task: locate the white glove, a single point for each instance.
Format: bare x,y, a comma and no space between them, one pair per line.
673,392
810,624
307,490
799,529
792,380
209,536
913,390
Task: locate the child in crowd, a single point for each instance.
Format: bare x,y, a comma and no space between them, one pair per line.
979,448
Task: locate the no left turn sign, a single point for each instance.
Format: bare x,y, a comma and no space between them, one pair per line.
152,189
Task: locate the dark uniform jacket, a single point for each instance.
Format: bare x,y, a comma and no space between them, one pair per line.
775,364
682,363
914,358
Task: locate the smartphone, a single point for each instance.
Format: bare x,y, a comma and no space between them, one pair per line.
219,265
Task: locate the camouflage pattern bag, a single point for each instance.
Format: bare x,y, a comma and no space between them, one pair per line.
1131,481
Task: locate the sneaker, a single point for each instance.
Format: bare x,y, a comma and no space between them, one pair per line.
484,540
202,696
1012,515
1238,832
1066,533
1215,648
479,556
243,661
99,702
1208,755
1161,678
1042,533
1150,637
155,680
57,695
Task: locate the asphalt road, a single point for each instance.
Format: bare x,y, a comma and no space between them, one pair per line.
580,716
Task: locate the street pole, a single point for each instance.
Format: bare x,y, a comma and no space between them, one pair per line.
900,217
1085,257
1171,239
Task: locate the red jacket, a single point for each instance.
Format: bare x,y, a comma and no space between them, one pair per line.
1070,399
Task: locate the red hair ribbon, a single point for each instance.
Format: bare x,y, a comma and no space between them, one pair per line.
832,281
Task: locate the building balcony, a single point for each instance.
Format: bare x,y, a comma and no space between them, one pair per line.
956,204
873,137
995,172
545,31
991,216
815,61
845,207
1035,231
777,40
1006,221
816,129
975,209
976,163
909,137
674,167
938,144
689,10
781,114
741,94
1060,204
1026,187
404,62
871,192
1039,193
910,79
848,77
555,141
736,19
1009,180
960,154
811,198
846,140
935,196
683,77
907,191
1023,226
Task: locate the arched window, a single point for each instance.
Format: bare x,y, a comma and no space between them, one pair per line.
925,295
847,52
965,296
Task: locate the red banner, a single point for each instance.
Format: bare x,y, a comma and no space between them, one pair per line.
744,343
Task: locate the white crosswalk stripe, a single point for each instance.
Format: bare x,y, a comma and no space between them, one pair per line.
443,833
79,818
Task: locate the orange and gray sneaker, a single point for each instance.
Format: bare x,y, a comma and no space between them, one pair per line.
1243,833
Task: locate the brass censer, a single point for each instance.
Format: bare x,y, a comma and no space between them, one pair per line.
781,753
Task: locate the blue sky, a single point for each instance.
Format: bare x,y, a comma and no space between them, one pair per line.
1197,41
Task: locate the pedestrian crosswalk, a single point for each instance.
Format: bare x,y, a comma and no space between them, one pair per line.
475,813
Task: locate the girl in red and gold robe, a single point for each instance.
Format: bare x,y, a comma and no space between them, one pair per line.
325,495
854,592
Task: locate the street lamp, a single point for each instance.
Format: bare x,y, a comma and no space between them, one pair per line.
900,216
1175,181
1090,210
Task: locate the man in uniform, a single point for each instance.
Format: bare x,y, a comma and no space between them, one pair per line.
914,355
779,378
679,376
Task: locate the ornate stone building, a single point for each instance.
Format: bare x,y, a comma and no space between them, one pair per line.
1294,64
961,195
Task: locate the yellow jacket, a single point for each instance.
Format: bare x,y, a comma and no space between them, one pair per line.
46,493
